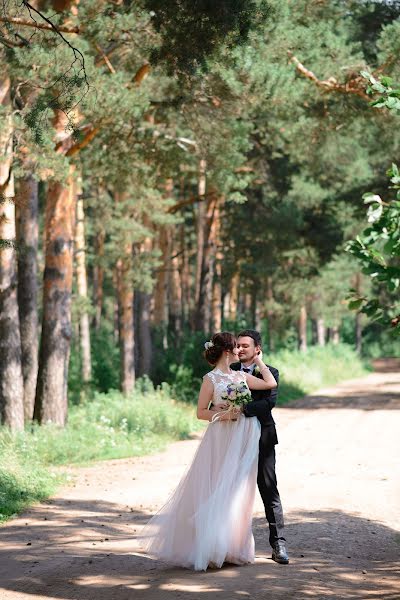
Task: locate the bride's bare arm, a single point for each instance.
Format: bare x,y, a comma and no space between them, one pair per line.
266,383
205,397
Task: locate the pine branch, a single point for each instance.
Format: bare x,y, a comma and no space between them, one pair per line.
142,73
83,143
105,58
77,53
209,197
354,86
35,25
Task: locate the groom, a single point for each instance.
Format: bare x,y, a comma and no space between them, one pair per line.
263,401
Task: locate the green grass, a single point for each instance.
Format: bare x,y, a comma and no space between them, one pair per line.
108,426
303,373
113,426
23,480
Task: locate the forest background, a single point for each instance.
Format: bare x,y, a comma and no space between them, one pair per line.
170,170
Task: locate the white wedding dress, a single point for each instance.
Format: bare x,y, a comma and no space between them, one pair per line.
207,519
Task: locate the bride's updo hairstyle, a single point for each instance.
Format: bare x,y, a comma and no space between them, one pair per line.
220,343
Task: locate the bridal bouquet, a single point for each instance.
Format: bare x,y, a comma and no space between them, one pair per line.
236,395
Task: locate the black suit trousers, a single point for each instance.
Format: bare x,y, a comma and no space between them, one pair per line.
267,485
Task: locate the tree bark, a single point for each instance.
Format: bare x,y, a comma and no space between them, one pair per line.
200,238
144,341
321,332
233,298
51,395
255,309
142,319
28,235
303,329
216,302
11,379
160,311
270,315
98,279
335,335
82,288
125,296
175,295
202,320
185,278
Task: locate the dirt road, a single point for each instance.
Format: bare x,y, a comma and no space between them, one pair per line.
338,469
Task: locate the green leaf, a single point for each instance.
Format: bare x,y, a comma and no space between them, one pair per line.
355,304
388,247
392,103
386,81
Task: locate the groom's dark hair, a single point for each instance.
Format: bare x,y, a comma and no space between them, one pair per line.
255,335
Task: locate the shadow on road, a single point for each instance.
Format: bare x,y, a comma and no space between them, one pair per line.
334,555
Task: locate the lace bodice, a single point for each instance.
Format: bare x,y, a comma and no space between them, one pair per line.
220,381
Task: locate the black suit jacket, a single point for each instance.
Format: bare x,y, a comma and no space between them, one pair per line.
263,401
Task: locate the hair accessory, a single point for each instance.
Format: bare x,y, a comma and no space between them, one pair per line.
208,345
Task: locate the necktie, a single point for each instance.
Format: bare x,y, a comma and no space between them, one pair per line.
246,370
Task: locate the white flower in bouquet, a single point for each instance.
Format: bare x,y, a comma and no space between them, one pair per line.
236,394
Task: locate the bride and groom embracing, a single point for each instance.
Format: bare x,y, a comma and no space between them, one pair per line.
208,519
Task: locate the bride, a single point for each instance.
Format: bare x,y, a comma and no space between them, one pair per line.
207,519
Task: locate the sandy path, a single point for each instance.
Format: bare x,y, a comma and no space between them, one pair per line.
338,469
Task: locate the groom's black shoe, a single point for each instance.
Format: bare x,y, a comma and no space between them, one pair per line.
279,553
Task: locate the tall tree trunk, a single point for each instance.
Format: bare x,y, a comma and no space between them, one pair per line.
270,315
233,297
81,281
160,311
335,335
208,237
248,308
200,238
51,395
142,316
303,329
126,330
175,295
144,341
11,380
185,278
116,309
28,234
98,279
216,301
255,309
321,332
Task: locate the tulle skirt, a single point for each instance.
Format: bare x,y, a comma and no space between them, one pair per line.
207,519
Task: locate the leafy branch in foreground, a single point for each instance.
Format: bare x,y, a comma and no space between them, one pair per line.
378,247
378,251
389,93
